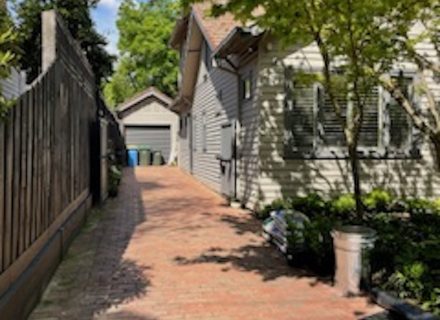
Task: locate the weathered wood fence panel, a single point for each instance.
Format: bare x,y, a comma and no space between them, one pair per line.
45,152
44,157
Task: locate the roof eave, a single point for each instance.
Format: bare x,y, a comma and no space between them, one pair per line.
177,35
237,41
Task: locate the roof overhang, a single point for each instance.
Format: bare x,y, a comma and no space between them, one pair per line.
180,105
179,33
240,41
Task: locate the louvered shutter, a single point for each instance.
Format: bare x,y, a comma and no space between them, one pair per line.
369,135
400,128
299,122
332,132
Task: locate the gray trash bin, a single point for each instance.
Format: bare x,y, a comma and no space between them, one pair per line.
351,245
157,158
144,156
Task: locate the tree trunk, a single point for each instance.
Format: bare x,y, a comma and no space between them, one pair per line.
355,167
435,140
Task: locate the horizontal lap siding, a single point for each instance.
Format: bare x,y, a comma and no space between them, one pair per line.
248,144
286,177
215,112
184,152
13,86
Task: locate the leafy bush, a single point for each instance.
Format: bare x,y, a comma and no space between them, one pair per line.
277,204
406,257
8,56
319,243
378,200
420,206
312,204
316,241
115,176
436,205
343,205
407,282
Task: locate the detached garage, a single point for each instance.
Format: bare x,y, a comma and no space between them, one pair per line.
148,121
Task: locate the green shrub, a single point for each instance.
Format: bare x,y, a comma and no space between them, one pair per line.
277,204
312,204
408,282
317,243
436,206
115,176
420,206
406,257
343,205
378,200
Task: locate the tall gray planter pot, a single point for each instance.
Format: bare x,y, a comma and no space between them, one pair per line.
352,245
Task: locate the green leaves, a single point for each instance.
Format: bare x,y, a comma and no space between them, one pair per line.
76,15
8,57
146,59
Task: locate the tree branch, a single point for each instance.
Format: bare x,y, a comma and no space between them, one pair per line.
398,95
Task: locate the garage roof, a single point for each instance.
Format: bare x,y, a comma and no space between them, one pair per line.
151,92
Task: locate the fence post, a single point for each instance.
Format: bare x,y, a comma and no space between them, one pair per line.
48,41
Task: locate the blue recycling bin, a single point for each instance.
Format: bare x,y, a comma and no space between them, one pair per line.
133,158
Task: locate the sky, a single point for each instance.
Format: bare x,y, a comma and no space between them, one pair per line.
105,18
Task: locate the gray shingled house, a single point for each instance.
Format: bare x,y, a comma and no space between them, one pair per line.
250,132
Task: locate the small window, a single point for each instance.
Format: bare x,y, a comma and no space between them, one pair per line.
247,87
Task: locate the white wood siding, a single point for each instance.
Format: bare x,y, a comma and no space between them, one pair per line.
215,99
248,140
13,86
280,177
184,140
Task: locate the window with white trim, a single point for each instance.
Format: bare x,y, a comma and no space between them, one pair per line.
313,130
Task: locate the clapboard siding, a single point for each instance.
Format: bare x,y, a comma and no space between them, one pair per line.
248,160
184,140
215,102
14,85
283,177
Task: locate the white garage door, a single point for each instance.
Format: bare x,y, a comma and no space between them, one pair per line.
158,138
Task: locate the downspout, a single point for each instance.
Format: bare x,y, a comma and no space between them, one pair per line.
234,72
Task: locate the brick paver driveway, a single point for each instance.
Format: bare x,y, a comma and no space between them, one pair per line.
168,248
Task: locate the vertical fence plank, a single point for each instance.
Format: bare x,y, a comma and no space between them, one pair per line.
34,231
23,172
17,174
2,190
38,222
29,110
9,168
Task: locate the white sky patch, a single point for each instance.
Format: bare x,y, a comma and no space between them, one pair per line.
105,15
112,4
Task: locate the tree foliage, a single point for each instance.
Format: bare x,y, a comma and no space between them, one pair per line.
76,15
8,54
145,57
359,42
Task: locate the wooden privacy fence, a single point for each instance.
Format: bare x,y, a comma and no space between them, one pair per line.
45,152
